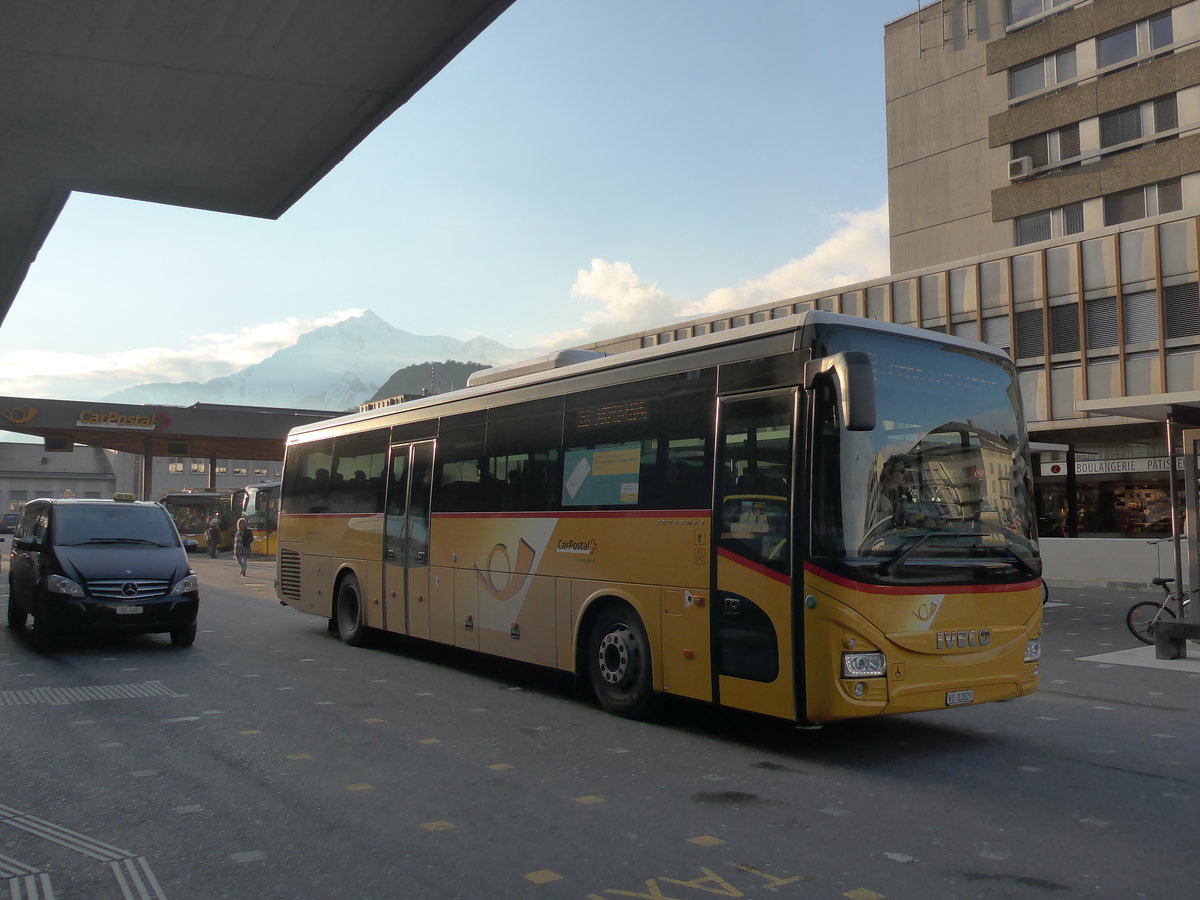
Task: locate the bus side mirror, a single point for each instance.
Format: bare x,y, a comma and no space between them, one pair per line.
853,382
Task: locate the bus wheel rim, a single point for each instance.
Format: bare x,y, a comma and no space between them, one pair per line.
614,655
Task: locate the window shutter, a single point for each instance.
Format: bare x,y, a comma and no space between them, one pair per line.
997,332
1166,113
1073,218
1183,309
1031,229
1102,323
1125,206
1141,317
1030,338
1068,141
1119,127
1064,328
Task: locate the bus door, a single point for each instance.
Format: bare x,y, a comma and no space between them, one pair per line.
752,613
406,539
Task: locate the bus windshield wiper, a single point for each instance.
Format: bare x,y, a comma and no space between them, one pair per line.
1023,558
900,557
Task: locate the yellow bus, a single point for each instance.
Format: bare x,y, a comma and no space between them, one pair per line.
814,518
259,503
192,511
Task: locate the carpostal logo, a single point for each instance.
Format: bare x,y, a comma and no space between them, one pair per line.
112,419
580,548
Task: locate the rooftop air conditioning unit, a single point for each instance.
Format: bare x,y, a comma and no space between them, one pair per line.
1020,168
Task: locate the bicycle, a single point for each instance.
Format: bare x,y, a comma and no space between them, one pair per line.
1145,614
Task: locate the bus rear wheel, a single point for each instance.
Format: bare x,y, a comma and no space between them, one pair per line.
618,663
349,613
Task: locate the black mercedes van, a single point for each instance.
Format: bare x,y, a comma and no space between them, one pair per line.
100,565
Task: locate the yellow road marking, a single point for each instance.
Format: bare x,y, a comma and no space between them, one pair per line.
543,876
436,826
360,786
299,756
499,767
706,840
591,798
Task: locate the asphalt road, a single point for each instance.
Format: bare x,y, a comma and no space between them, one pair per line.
269,760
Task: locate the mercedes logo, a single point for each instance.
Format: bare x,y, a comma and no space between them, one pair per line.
129,589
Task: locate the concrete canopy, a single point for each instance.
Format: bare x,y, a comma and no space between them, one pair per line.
235,106
203,430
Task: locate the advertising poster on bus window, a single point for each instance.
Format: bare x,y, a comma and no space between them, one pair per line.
602,476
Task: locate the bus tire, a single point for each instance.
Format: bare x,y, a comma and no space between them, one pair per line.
349,613
618,662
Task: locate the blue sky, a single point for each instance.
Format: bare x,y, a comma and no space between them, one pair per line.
584,168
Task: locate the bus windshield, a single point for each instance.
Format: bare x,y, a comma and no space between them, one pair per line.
942,484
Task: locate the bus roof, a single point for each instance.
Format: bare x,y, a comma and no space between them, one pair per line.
570,364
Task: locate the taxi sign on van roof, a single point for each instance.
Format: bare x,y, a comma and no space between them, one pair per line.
124,495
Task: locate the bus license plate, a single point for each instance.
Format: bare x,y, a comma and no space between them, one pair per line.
958,698
129,610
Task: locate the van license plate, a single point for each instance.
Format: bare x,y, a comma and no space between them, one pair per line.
129,610
958,698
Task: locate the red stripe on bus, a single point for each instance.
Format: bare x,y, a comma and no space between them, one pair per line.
583,514
753,566
920,589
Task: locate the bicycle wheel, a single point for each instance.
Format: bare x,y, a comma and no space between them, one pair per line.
1142,617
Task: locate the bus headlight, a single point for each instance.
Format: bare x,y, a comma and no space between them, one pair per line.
864,665
1033,650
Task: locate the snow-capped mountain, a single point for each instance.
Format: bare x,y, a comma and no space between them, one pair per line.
335,368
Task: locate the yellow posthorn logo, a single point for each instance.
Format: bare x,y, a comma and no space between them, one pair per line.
19,416
517,576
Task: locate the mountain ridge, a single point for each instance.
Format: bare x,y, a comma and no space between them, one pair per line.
335,367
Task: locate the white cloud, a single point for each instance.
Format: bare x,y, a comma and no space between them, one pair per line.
623,302
88,376
856,251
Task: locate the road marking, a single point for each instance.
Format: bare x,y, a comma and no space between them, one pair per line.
299,756
543,876
436,826
499,767
61,696
705,840
590,798
133,873
430,741
360,786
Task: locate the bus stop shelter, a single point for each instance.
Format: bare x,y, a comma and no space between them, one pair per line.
204,430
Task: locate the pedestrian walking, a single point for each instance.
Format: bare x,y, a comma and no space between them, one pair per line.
243,537
213,534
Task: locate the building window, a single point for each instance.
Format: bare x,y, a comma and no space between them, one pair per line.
239,470
1161,32
1121,126
222,470
1183,309
1064,328
1020,10
1101,316
1166,114
1141,317
1026,79
199,468
1116,46
996,331
175,465
1033,228
1140,202
1030,336
1037,148
1072,218
1065,66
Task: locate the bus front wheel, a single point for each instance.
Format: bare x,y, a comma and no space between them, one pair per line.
349,613
618,657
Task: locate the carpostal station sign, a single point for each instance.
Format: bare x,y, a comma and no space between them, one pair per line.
1145,464
89,418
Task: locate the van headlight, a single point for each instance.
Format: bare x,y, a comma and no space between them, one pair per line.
185,585
56,584
864,665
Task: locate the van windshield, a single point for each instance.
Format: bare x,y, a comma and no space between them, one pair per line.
116,523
